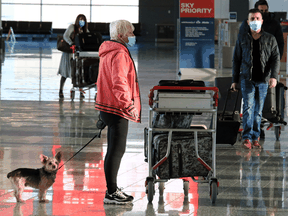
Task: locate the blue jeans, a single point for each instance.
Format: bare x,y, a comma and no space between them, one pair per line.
254,94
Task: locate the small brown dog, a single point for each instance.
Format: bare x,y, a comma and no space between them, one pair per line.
41,179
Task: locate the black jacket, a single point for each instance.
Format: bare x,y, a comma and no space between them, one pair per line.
243,61
271,26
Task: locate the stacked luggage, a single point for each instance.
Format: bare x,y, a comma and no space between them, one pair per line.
85,62
190,148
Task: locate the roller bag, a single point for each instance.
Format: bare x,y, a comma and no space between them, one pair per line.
88,41
88,71
228,124
269,111
224,83
182,161
280,102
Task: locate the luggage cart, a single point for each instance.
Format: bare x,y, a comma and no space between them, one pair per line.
79,71
206,102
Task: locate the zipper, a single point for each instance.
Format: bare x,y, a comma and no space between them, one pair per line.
251,53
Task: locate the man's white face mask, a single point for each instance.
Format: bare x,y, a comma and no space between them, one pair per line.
255,25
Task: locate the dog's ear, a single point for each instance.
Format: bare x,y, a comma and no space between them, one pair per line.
58,156
43,158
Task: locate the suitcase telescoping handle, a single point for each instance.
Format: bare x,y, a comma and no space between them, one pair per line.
184,88
226,100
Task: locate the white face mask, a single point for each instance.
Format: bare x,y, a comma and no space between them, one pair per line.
131,41
255,25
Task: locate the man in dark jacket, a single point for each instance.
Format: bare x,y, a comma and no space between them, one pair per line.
256,63
270,25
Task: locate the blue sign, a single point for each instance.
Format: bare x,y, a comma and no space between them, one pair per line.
197,43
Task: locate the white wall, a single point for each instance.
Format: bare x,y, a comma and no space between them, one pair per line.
222,9
274,5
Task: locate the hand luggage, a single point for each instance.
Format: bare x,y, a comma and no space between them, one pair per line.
182,161
186,82
269,111
228,124
185,96
224,83
88,41
62,45
87,71
280,101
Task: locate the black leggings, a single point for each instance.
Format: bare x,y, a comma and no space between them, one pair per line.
116,141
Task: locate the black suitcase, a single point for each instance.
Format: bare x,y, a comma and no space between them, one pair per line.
88,41
186,82
182,161
224,83
269,111
88,71
228,124
280,102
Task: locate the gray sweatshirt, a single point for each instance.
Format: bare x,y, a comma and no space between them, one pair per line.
68,33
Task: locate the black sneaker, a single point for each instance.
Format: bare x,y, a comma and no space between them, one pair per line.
117,197
129,196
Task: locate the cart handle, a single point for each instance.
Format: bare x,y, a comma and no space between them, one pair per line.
73,47
215,89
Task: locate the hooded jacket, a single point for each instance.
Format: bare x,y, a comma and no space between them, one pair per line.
117,84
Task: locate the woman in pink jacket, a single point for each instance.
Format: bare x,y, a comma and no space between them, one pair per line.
118,99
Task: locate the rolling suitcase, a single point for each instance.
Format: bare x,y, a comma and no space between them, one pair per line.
224,83
269,111
87,71
228,124
88,41
182,161
280,102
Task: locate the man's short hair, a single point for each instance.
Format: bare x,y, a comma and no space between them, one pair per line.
261,2
253,11
119,27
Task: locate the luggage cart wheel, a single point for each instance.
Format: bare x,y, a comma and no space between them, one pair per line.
277,131
161,188
72,95
213,191
150,189
186,188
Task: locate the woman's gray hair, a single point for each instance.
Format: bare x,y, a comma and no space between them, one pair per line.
119,27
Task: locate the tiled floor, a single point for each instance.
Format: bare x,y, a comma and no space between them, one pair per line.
33,122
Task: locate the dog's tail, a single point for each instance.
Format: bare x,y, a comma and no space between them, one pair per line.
12,173
9,175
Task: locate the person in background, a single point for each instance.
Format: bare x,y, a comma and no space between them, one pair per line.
270,25
256,62
79,27
118,99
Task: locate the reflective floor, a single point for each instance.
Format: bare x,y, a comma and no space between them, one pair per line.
33,122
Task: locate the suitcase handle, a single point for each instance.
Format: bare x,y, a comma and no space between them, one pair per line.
225,105
185,88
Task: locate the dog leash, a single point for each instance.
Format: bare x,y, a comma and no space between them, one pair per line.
100,125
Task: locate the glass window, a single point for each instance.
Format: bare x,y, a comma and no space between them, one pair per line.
115,2
21,12
112,13
54,14
22,1
70,2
